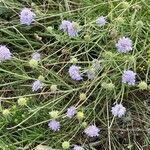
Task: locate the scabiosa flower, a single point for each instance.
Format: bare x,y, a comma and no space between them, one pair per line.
71,111
36,56
100,21
54,125
74,73
124,45
64,25
37,85
5,54
73,29
92,131
118,110
26,16
128,77
76,147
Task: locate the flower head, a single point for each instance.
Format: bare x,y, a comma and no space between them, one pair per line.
128,77
75,73
124,45
5,54
76,147
26,16
65,145
71,111
100,21
64,25
73,29
37,85
54,125
36,56
118,110
92,131
96,64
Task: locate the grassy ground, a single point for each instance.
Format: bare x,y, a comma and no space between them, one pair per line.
26,127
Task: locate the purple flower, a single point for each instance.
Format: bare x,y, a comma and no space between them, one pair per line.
128,77
5,54
92,131
64,25
100,21
124,45
71,111
76,147
26,16
54,125
118,110
75,73
37,85
36,56
73,29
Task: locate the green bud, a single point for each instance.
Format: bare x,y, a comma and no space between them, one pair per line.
49,29
54,114
65,145
73,60
75,25
125,5
82,96
53,88
84,124
22,101
80,115
6,112
87,38
143,85
108,86
120,20
139,24
41,78
108,54
33,63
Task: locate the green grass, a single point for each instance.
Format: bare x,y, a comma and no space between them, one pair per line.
26,127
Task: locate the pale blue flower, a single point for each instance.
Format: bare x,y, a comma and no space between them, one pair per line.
92,131
124,45
5,53
100,21
71,111
37,85
54,125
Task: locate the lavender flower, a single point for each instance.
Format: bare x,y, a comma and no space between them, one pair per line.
76,147
64,25
92,131
54,125
5,54
75,73
73,29
100,21
36,56
71,111
118,110
26,16
128,77
124,45
37,85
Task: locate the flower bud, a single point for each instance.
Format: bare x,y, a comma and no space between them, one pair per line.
87,38
80,115
33,63
22,101
53,88
82,96
49,29
120,20
139,24
41,78
6,112
65,145
54,114
73,60
143,85
125,5
84,124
